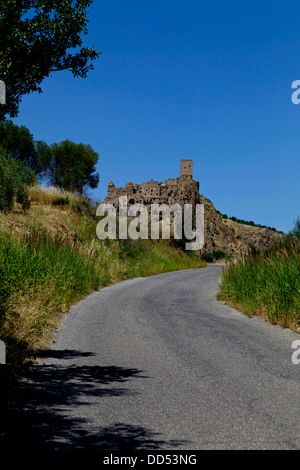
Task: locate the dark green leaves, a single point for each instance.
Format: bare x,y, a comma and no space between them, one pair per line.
14,177
72,166
18,142
37,38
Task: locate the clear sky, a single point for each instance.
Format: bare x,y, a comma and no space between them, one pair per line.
202,80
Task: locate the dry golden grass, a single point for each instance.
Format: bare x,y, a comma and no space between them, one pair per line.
49,195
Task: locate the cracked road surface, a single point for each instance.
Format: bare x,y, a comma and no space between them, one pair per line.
159,363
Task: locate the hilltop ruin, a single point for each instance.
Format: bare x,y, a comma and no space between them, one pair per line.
181,190
220,233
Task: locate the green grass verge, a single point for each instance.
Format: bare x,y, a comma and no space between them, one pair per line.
266,284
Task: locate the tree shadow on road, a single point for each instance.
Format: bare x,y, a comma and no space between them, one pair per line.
38,415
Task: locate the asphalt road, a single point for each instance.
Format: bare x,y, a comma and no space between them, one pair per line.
158,363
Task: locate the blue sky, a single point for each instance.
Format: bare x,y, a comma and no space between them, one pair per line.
208,81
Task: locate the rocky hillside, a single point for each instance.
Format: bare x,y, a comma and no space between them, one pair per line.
222,234
232,237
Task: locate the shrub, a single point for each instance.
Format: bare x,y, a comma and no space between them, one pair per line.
14,177
82,205
219,254
253,249
61,201
207,257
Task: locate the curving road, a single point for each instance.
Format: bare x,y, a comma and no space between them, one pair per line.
158,363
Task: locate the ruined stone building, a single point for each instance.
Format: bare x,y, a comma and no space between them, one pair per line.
182,190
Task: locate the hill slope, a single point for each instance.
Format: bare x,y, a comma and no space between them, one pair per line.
232,237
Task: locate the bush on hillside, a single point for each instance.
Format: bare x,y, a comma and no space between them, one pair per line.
207,257
14,177
219,254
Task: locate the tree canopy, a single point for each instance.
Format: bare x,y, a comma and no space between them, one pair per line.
72,166
18,142
66,165
39,37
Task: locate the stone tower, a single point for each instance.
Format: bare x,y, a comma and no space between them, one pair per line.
186,169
